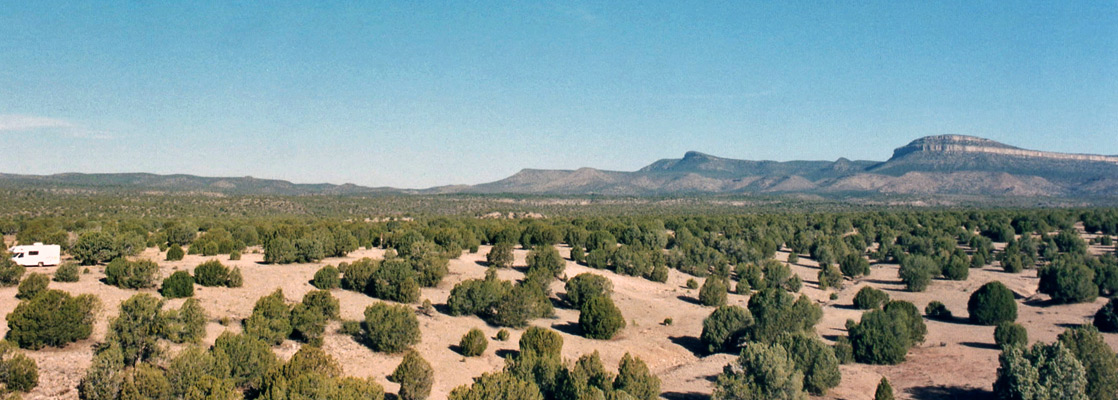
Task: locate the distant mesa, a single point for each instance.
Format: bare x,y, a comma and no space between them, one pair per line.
932,165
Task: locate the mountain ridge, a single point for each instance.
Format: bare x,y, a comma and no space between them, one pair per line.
931,165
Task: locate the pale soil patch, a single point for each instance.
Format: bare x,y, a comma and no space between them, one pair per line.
956,359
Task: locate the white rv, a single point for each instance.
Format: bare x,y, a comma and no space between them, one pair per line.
37,254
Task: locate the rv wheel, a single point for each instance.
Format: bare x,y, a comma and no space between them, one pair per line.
40,264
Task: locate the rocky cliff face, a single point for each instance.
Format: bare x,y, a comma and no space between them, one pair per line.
969,144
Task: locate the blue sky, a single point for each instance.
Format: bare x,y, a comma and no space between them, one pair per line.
434,93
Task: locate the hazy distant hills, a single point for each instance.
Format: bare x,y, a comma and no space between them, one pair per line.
934,165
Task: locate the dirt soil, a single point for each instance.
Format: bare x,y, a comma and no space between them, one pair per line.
957,360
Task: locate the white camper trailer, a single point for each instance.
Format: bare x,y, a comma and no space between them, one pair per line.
37,254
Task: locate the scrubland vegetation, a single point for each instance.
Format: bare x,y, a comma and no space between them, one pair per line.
764,282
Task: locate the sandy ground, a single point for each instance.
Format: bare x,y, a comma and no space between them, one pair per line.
957,360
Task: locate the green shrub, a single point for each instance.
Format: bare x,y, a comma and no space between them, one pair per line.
179,284
541,341
503,335
880,338
938,311
1098,359
497,385
309,318
243,358
212,273
775,311
236,280
473,343
18,372
67,272
724,328
1068,280
126,274
52,318
762,371
103,380
869,298
10,272
270,320
327,278
830,277
415,377
916,272
793,258
956,269
395,280
94,248
390,328
519,304
32,285
884,390
692,284
854,265
713,292
598,258
546,258
586,286
634,378
815,359
906,313
844,352
1106,319
600,318
659,274
234,255
175,253
500,256
137,328
480,296
1043,371
187,324
992,303
1008,333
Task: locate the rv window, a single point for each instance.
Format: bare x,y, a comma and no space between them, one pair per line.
32,253
19,255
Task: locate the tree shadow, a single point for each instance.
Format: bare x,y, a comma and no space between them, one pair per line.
948,393
506,353
1040,302
456,348
845,307
570,328
882,281
689,299
482,263
984,346
684,395
442,309
690,343
1068,325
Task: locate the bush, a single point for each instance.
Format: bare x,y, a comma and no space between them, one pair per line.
869,298
815,359
546,258
137,328
1098,359
503,335
473,343
212,273
1043,371
775,311
1068,280
598,258
390,328
243,358
916,272
880,338
600,318
586,286
854,265
234,255
936,310
187,324
179,284
395,280
659,274
94,248
327,278
541,341
724,328
1106,319
793,258
906,313
884,390
236,280
956,269
499,256
32,285
10,272
762,371
480,296
52,318
713,292
830,277
634,378
992,303
1010,334
67,272
309,318
844,352
18,372
498,385
415,377
691,283
270,320
175,253
132,274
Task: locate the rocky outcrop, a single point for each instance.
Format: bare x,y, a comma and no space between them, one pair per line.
970,144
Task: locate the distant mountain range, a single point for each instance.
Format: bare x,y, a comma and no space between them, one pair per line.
933,165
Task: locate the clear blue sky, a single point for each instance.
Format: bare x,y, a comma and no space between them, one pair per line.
416,94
